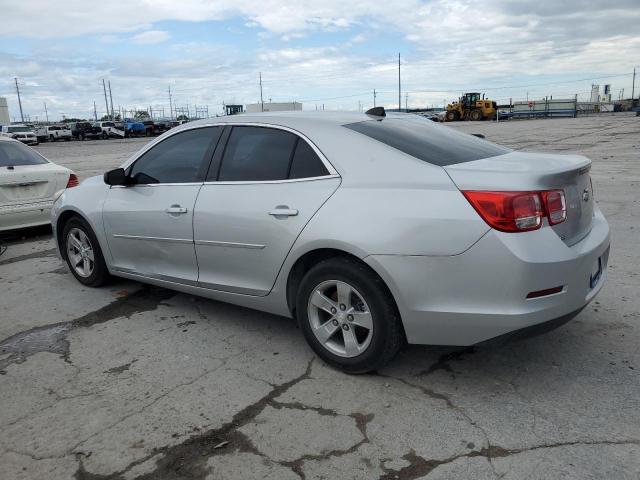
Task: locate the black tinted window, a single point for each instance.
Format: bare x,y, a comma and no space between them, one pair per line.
428,141
14,154
306,163
177,159
257,153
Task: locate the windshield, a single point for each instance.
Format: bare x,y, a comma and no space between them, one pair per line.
427,141
14,154
18,129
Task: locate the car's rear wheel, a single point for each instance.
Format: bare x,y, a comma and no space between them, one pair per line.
83,254
348,316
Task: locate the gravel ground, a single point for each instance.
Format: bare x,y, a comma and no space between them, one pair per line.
131,381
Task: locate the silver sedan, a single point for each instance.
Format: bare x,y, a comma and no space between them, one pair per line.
371,230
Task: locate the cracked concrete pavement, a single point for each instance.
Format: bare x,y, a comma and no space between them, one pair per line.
136,382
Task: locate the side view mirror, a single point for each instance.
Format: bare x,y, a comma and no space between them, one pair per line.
116,177
479,135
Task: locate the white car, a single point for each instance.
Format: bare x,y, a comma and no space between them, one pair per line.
22,133
29,184
52,133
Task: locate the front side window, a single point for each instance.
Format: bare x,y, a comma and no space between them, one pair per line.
13,154
257,154
178,159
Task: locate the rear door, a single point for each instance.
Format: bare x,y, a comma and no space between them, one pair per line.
262,189
148,224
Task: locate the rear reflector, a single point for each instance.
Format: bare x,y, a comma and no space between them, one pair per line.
544,293
518,211
73,181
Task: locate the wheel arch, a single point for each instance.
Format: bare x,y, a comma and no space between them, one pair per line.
61,220
306,261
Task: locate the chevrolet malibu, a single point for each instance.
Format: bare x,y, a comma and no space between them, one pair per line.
371,230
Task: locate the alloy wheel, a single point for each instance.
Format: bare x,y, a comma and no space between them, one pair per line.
80,252
340,318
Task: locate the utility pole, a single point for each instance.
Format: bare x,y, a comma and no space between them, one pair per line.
406,102
399,93
261,101
170,104
374,97
633,86
106,104
45,111
95,112
111,98
19,101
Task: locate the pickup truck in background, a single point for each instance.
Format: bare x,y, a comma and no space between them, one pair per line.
109,130
51,133
133,128
82,130
23,133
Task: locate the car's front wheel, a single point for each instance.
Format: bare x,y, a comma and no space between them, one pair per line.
83,254
348,316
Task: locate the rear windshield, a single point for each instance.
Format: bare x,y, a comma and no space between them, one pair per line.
18,129
14,154
427,141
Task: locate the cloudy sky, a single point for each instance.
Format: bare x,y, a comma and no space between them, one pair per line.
327,52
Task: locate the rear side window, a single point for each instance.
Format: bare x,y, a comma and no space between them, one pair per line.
14,154
306,163
427,141
178,159
257,154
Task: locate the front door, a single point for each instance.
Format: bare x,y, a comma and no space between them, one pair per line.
247,216
149,224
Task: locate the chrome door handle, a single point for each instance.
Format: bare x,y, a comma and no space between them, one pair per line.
283,211
176,210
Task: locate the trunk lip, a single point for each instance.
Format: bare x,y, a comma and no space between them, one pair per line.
552,163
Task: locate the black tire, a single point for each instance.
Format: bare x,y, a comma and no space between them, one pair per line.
100,274
388,334
475,115
105,135
82,137
451,116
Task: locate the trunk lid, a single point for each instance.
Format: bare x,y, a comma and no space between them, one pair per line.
26,184
524,171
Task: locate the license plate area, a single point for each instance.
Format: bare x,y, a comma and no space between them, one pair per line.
596,273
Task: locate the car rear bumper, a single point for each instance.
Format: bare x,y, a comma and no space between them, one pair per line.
482,293
23,216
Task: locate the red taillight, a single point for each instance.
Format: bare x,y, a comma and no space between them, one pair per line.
518,211
555,205
73,181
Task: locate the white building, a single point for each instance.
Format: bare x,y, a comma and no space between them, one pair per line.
273,107
4,112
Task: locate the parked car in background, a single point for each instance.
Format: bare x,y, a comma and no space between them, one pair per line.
162,126
150,128
134,128
109,130
84,130
52,133
369,229
29,184
22,133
